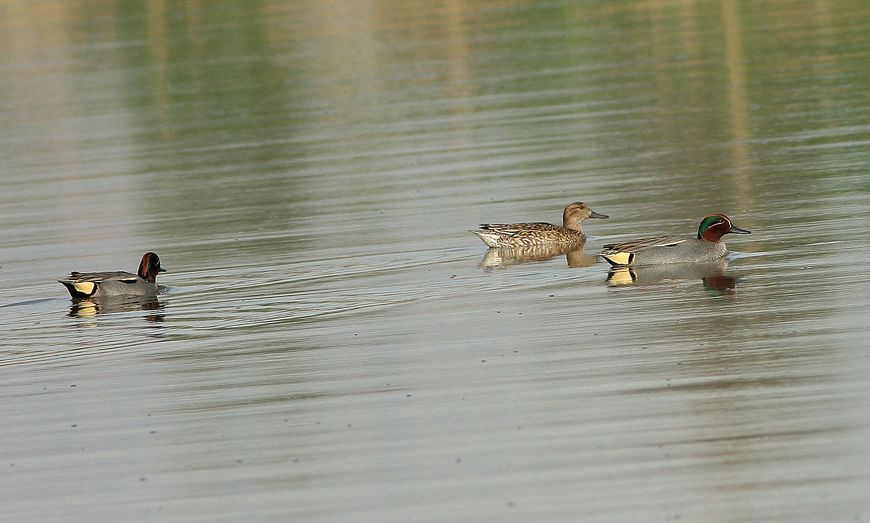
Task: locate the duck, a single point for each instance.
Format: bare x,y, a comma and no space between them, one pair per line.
539,234
706,246
95,285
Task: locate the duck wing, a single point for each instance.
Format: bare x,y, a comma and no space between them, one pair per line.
511,229
642,244
97,277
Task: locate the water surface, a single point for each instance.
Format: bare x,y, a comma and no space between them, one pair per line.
332,345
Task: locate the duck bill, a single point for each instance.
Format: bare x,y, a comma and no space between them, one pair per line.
162,270
738,230
598,215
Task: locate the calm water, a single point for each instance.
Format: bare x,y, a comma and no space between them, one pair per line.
332,345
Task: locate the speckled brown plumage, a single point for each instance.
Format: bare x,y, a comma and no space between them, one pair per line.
539,233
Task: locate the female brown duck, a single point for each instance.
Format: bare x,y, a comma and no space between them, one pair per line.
539,233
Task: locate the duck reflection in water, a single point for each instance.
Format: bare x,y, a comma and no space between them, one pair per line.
88,308
712,274
507,256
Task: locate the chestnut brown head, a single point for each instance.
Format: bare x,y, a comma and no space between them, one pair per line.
149,267
713,227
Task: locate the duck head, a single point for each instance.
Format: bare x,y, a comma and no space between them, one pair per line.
577,212
713,227
149,267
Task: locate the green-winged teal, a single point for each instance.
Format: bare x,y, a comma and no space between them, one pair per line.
706,246
119,283
538,234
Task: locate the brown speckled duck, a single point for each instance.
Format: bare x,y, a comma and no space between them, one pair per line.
83,285
539,233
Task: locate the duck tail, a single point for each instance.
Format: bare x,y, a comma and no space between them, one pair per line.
619,258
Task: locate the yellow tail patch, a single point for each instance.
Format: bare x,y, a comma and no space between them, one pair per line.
85,287
619,258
